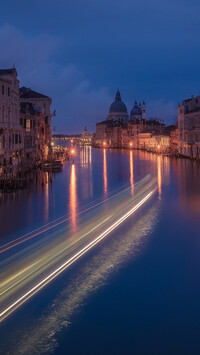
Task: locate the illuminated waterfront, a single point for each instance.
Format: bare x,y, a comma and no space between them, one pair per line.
141,280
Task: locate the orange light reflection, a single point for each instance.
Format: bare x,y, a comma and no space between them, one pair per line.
73,196
159,176
105,172
131,172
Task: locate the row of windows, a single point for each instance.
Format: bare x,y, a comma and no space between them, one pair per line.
191,122
29,142
27,124
190,137
3,91
13,139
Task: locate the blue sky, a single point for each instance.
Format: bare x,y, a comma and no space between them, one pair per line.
80,52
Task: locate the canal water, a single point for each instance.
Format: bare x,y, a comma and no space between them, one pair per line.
135,292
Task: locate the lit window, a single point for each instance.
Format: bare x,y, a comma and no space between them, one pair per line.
28,125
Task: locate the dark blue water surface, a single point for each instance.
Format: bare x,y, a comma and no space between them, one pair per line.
138,291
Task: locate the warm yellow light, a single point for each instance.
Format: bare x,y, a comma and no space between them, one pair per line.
158,146
104,143
72,151
131,144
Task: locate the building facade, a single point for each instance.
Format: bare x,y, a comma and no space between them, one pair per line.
32,121
189,127
11,133
159,143
42,102
120,130
118,111
25,124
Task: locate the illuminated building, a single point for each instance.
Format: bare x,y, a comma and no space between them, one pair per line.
189,127
11,139
41,101
118,128
32,121
25,124
122,131
154,142
118,110
86,138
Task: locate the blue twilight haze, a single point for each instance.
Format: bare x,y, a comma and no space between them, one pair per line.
79,52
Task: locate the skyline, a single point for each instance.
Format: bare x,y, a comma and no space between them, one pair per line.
79,55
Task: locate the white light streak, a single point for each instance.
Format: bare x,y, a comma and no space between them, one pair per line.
7,311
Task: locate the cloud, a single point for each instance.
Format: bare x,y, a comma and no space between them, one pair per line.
75,99
26,53
163,110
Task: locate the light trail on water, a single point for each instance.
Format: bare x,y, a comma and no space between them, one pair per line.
33,290
50,225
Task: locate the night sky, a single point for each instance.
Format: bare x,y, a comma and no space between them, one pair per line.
80,52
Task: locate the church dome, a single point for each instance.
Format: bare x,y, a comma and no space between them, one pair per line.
136,110
118,105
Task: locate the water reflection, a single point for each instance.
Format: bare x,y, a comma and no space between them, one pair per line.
159,176
131,172
188,178
86,182
90,155
42,336
105,181
73,195
84,156
46,216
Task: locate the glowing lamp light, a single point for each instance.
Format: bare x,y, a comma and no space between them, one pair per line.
158,146
131,144
72,151
104,143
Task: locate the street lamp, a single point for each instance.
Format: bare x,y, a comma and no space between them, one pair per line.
131,144
72,153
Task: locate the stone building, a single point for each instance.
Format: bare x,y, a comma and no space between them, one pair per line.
25,124
189,127
154,142
118,111
138,112
11,133
86,138
172,132
134,127
42,102
32,120
120,130
108,134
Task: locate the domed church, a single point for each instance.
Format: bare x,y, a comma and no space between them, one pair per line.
118,110
138,112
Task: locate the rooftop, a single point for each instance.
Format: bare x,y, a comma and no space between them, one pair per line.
27,93
7,71
32,108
